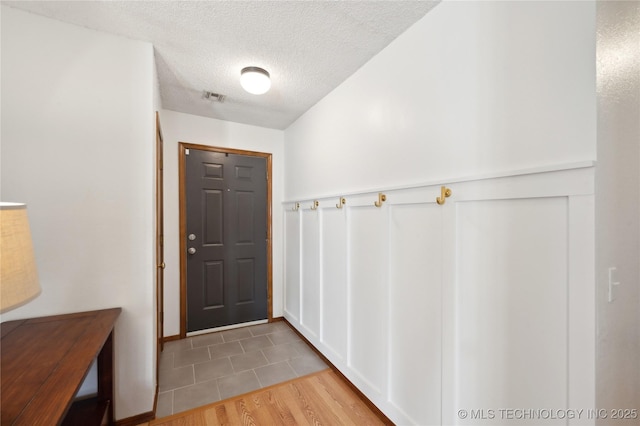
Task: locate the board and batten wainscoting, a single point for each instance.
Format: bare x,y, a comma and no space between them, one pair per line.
482,300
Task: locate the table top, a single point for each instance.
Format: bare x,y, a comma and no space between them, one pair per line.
43,362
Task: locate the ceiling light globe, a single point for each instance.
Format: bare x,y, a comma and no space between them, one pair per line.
255,80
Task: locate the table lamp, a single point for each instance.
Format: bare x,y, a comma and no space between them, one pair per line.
18,274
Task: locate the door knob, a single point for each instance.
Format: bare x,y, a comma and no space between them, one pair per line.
192,237
191,250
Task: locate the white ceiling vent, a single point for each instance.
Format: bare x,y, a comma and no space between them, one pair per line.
213,97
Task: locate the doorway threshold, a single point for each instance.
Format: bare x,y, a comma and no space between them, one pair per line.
226,327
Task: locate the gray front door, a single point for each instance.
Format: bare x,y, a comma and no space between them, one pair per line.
226,232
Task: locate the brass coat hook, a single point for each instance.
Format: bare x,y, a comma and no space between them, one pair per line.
342,202
315,205
296,207
381,199
444,194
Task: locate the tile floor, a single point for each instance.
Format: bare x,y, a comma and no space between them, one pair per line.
211,367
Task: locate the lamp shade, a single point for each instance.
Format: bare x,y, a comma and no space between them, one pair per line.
255,80
18,274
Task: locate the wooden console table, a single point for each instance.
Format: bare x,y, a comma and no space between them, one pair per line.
43,362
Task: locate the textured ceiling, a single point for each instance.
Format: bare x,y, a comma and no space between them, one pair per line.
308,47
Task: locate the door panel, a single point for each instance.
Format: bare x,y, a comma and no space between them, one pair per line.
214,285
246,280
214,212
226,231
245,210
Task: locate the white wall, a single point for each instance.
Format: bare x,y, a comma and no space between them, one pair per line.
179,127
618,205
472,88
77,147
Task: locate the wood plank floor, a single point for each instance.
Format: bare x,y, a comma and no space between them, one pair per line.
321,398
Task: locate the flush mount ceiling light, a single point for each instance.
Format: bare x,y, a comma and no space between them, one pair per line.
255,80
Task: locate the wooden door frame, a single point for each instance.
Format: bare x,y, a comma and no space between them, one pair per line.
182,181
159,245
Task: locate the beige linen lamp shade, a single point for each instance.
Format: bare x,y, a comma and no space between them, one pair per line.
18,274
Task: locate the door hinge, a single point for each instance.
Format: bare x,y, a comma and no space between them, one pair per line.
186,151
